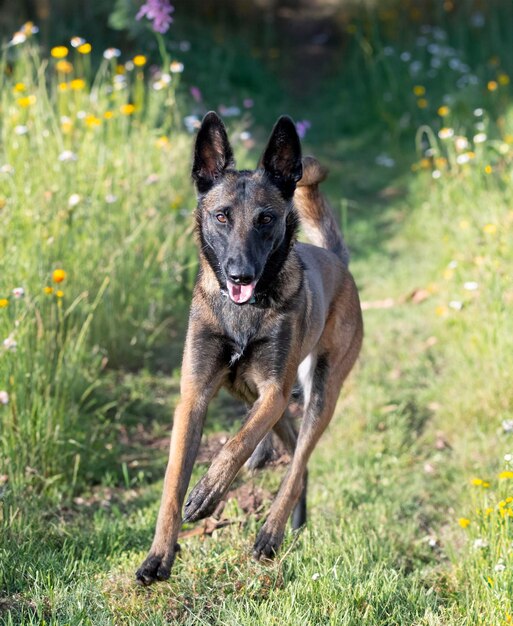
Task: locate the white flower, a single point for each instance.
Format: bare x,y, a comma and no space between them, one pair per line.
74,199
470,285
4,397
456,305
480,543
480,138
111,53
67,155
18,292
478,112
405,56
81,115
191,122
436,174
445,133
507,426
77,41
385,161
500,567
176,67
20,129
508,458
110,198
316,576
245,135
462,158
7,169
18,38
10,343
461,143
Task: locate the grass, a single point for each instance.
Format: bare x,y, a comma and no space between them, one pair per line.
410,489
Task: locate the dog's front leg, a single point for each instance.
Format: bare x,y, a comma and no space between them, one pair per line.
264,414
198,386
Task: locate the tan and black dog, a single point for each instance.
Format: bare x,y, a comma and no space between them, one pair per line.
267,313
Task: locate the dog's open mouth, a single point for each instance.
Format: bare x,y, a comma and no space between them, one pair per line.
241,293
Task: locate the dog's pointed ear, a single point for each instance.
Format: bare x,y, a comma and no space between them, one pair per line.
282,157
212,152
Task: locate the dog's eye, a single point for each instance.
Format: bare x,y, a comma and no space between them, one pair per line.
221,218
266,219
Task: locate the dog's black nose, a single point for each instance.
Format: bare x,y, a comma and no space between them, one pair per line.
241,279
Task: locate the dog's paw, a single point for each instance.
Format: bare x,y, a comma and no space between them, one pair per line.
267,544
155,567
201,503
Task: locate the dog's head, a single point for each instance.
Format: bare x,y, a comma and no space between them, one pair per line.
246,218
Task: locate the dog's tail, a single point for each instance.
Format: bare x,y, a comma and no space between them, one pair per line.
315,213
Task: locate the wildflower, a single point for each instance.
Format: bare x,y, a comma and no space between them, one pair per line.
488,169
191,122
4,397
196,93
176,67
77,84
21,129
490,229
422,103
84,48
461,159
159,12
506,475
66,127
19,87
7,169
92,121
73,200
77,41
10,343
162,142
480,138
59,52
503,79
471,285
492,85
26,101
66,156
48,290
62,87
443,111
63,66
229,111
445,133
303,126
464,522
480,543
419,90
18,292
59,293
508,458
58,276
18,38
127,109
139,60
507,426
248,103
111,53
108,115
441,310
316,576
436,174
4,302
110,198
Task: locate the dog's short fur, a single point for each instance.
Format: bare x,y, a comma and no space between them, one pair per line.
267,313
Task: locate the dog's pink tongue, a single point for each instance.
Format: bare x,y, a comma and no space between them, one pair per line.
240,293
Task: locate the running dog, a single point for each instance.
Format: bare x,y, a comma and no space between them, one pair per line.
267,313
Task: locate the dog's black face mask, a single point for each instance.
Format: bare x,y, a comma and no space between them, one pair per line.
246,220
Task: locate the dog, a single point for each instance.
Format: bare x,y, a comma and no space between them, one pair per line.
267,313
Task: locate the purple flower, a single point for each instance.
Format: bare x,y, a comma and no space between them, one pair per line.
302,127
196,93
159,12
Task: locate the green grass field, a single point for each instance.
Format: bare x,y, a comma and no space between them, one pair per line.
411,488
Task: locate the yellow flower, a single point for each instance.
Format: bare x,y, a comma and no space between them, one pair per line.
64,66
19,87
422,103
26,101
490,229
48,290
464,522
492,85
85,48
488,169
508,139
3,303
108,115
66,126
127,109
92,121
419,90
62,86
162,142
120,69
425,163
490,581
59,52
139,60
59,275
506,474
441,310
443,111
509,499
503,79
77,84
477,482
59,293
488,511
